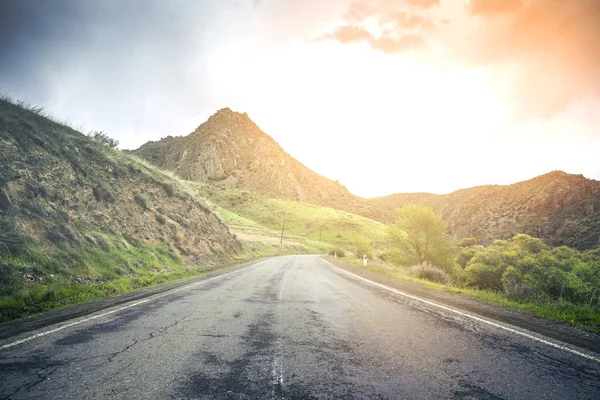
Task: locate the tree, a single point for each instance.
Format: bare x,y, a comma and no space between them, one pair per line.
103,138
419,236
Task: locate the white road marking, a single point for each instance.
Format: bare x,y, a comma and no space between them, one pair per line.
60,328
467,315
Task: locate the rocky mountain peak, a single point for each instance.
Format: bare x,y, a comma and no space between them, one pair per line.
230,149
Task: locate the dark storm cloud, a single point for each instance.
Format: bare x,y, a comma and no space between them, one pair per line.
107,60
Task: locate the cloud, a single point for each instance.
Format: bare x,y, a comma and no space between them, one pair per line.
389,44
424,3
546,53
395,30
349,34
110,65
401,20
539,55
493,7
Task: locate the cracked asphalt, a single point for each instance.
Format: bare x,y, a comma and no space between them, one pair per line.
290,328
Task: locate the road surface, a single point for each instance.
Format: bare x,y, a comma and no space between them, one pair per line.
291,327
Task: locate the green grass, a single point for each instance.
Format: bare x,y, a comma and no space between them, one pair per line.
556,310
97,265
243,209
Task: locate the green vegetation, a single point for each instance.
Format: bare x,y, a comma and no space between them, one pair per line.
559,283
104,139
556,310
322,226
60,245
85,264
419,236
525,268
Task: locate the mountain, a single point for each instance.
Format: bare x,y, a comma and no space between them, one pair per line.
231,150
561,208
64,192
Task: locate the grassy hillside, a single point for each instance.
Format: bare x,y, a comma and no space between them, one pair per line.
80,220
247,212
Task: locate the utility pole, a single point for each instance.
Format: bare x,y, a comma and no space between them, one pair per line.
282,229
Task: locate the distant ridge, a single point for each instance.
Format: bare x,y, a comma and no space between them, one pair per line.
558,207
231,150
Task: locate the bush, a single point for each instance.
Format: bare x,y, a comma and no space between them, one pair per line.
11,240
140,200
101,193
33,190
514,285
104,139
160,219
168,188
340,252
465,256
362,246
430,273
485,276
468,242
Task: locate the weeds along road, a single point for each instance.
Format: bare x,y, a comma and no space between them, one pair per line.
292,327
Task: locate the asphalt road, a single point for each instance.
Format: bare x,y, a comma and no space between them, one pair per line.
290,328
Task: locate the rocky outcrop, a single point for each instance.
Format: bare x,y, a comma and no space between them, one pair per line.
229,149
56,182
561,208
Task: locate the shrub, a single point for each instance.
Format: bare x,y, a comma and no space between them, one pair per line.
168,188
465,256
340,252
160,219
11,240
103,138
101,193
468,242
362,246
514,285
485,276
33,190
140,200
528,243
430,273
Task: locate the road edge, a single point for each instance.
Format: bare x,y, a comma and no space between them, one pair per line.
31,323
585,347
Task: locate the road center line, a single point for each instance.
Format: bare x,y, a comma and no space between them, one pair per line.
467,315
158,296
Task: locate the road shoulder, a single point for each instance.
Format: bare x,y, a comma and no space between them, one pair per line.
518,318
17,327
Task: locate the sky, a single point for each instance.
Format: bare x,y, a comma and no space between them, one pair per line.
384,96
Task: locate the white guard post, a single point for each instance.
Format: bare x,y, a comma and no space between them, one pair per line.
365,260
335,254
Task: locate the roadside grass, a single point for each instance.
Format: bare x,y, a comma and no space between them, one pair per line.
582,316
304,220
101,264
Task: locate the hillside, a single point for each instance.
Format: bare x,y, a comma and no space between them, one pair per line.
560,208
252,213
230,150
73,211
